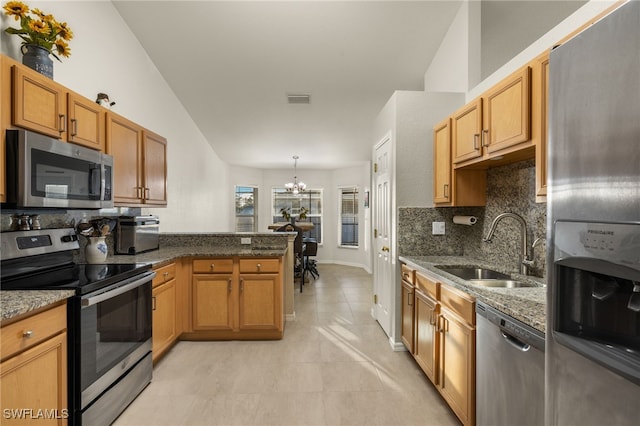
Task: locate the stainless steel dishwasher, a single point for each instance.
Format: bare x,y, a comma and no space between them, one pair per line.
509,370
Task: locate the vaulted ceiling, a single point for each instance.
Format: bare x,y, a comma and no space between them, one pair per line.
233,63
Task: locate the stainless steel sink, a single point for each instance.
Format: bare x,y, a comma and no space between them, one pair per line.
501,283
474,273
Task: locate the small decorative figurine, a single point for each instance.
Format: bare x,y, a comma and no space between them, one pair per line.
103,99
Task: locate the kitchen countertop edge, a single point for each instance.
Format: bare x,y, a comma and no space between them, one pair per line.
526,304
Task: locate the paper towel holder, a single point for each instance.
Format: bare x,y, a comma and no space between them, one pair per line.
465,220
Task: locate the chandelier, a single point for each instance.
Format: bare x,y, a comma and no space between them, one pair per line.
295,187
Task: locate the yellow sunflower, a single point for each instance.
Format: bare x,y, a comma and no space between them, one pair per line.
63,48
17,9
63,31
39,27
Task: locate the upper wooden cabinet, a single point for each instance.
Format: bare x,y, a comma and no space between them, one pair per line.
44,106
497,123
454,187
442,162
139,163
539,120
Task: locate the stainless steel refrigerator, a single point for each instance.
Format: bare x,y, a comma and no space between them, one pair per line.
592,360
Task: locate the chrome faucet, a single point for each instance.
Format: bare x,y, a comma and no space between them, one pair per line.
526,261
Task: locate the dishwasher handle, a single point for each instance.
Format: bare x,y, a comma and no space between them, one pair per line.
515,342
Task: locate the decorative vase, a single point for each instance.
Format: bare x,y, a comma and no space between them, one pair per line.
96,250
37,58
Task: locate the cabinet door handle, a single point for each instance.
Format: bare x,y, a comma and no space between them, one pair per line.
138,192
410,298
27,334
153,303
74,127
146,193
476,136
241,284
62,123
446,190
431,320
229,286
485,137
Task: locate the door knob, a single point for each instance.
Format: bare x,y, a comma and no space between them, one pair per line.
385,248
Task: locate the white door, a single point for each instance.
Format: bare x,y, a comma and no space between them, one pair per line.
382,209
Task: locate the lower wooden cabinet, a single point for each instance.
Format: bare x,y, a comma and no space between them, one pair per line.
165,310
237,298
33,371
443,339
456,325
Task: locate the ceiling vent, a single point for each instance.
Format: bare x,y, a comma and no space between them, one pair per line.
299,99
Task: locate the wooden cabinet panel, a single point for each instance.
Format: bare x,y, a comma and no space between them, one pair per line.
442,163
260,302
213,266
36,379
124,144
213,306
39,103
33,372
507,112
164,317
408,300
23,334
427,337
155,168
262,265
86,124
467,128
539,121
457,365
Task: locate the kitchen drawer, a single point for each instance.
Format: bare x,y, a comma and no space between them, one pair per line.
164,274
408,274
428,285
459,302
39,327
259,266
213,266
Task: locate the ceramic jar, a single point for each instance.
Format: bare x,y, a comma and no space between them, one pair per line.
96,250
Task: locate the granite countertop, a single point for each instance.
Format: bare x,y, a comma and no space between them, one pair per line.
527,304
17,302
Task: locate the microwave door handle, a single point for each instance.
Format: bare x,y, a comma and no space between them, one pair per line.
92,300
95,180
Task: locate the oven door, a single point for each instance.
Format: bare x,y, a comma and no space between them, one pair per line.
114,334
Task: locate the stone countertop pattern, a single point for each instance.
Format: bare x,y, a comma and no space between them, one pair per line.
172,247
17,302
527,304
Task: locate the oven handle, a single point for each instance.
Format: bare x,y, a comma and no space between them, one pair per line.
121,288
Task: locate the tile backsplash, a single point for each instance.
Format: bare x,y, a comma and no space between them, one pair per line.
510,188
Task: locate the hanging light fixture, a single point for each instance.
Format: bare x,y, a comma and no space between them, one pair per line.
295,187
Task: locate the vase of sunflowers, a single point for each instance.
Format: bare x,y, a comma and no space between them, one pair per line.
41,34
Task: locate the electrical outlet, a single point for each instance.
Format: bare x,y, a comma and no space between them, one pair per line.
437,228
245,240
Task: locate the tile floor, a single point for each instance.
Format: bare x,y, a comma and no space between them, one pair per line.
334,366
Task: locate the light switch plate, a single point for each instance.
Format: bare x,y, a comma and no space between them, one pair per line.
437,228
245,240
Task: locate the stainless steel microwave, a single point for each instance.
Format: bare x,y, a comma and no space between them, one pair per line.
43,172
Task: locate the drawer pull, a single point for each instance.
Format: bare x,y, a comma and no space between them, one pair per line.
211,267
28,334
258,266
165,274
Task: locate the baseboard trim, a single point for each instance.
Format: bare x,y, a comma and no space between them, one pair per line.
290,317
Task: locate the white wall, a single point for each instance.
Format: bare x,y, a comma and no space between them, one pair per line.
106,57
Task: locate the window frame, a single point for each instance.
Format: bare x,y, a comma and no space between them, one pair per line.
277,216
255,215
356,215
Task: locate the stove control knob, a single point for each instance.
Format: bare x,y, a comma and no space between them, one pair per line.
69,238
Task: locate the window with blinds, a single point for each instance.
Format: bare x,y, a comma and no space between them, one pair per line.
246,209
348,217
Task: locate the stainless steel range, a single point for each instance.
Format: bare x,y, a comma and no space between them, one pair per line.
108,319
